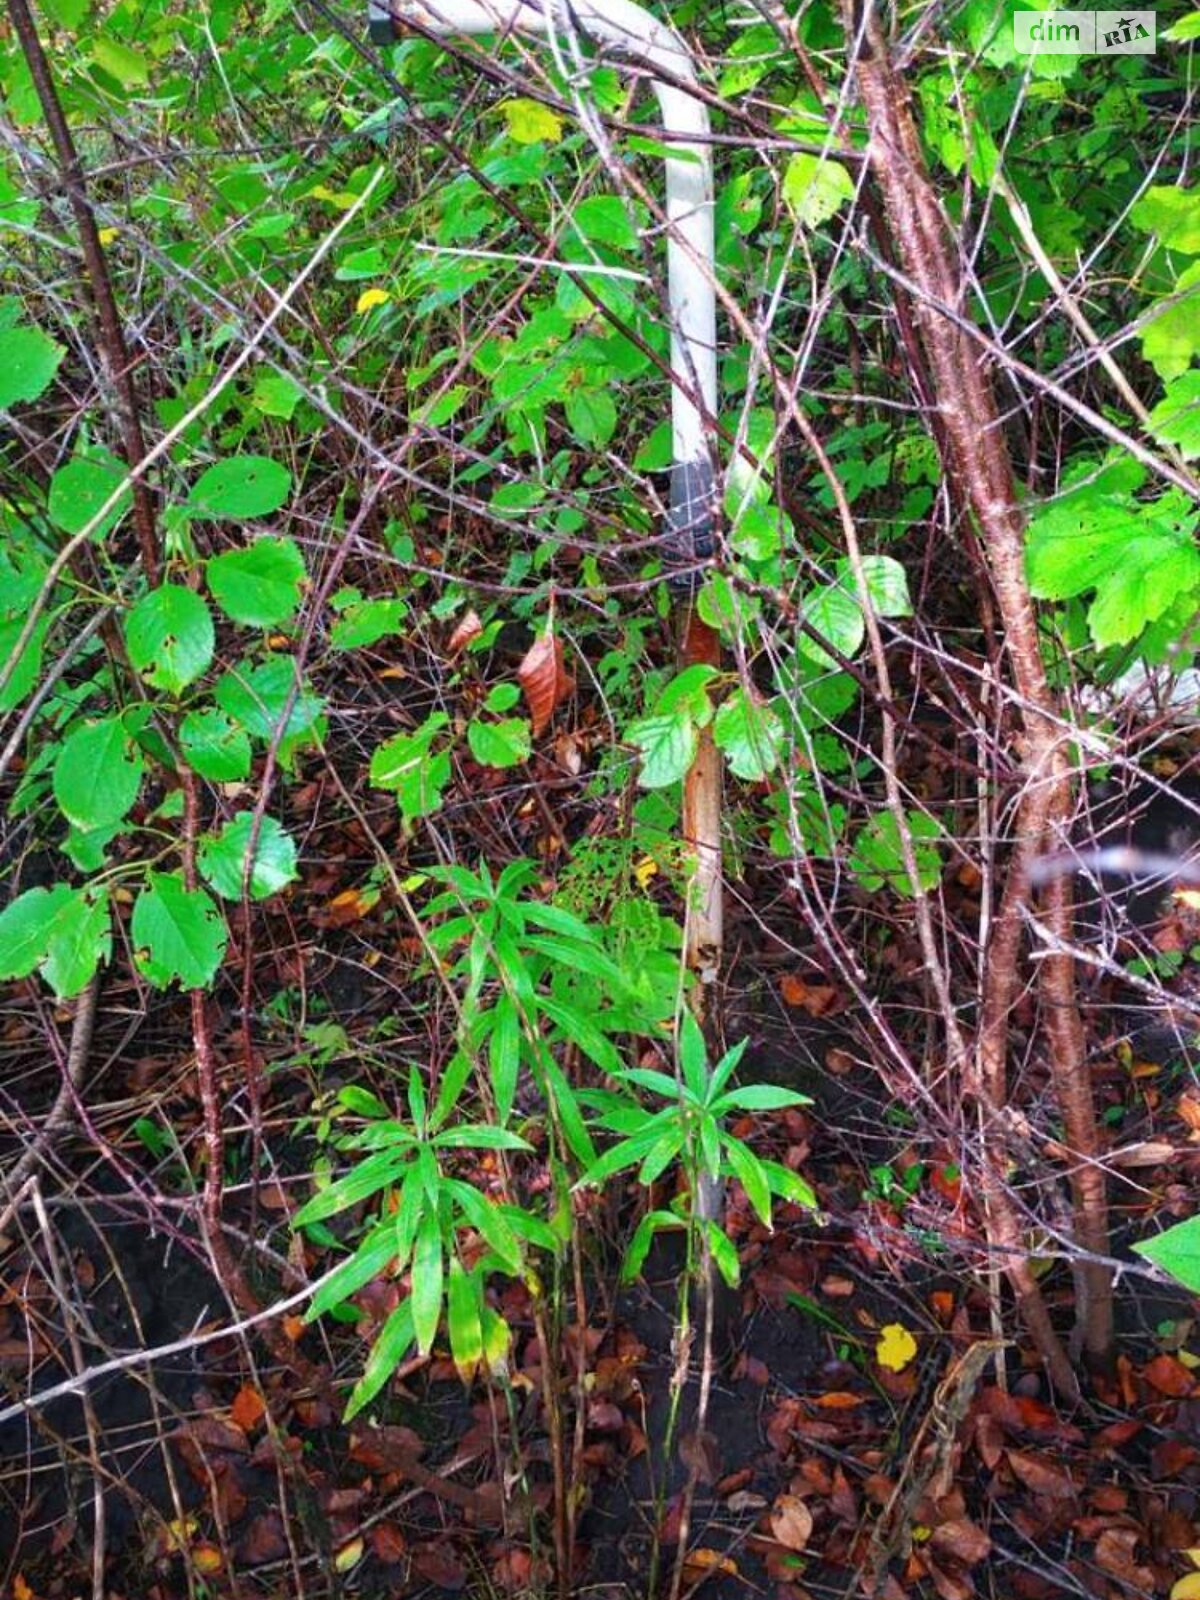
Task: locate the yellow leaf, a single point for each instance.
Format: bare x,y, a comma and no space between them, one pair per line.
1193,1555
370,298
705,1561
896,1347
530,121
107,235
1187,897
644,870
1187,1588
20,1589
350,1554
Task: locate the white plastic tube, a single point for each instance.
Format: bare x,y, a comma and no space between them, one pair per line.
635,35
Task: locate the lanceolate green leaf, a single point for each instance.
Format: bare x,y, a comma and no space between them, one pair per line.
428,1271
389,1349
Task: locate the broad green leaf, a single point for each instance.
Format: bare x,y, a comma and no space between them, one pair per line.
387,1352
128,66
393,762
257,697
428,1269
876,859
1171,337
179,934
1177,1251
26,925
592,416
815,188
275,395
239,488
1173,214
98,774
500,744
835,614
887,584
1188,27
1176,418
222,860
29,359
79,489
604,219
667,745
169,636
529,121
751,736
364,622
80,940
24,674
259,586
215,746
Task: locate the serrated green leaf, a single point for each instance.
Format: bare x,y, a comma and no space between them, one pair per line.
530,122
1171,337
876,859
750,735
169,636
239,488
500,744
1176,418
836,615
591,416
215,747
365,622
1173,214
887,584
275,394
26,925
98,774
29,359
259,586
80,940
222,860
256,698
178,933
128,66
79,489
667,744
815,188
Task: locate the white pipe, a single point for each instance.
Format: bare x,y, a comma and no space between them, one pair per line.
639,37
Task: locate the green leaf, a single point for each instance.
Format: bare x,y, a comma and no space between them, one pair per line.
215,746
80,939
1171,337
1173,214
377,1172
504,1055
1176,418
724,1253
750,1173
406,765
387,1352
876,859
129,67
751,735
178,933
759,1097
604,219
639,1246
275,395
500,744
693,1055
29,359
815,188
462,1320
1188,27
222,860
169,636
259,586
24,674
887,584
26,926
98,774
371,1259
1177,1251
592,416
78,490
239,488
256,697
836,615
427,1281
667,745
365,622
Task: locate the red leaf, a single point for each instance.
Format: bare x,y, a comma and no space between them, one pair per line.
1169,1376
544,679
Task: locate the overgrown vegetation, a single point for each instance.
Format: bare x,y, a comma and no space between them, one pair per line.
375,748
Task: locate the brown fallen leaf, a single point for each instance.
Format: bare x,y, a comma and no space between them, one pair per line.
1168,1375
1041,1476
791,1522
247,1408
469,628
962,1539
544,679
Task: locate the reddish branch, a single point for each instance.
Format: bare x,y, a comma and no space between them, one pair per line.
974,451
110,336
